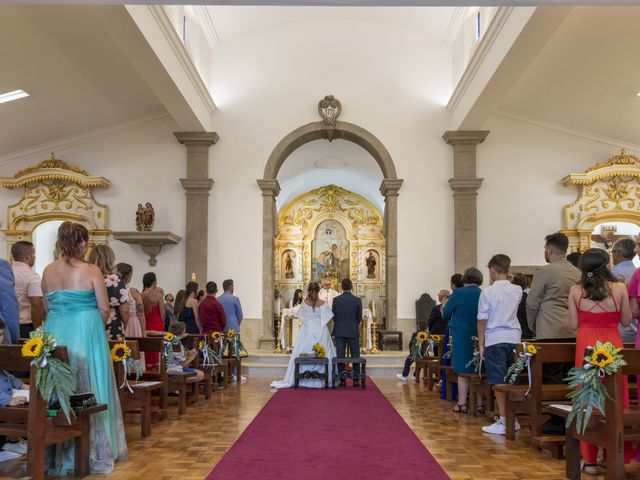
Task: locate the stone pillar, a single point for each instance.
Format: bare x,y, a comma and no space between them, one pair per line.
270,190
197,186
465,187
389,190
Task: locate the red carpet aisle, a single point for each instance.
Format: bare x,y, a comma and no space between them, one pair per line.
310,434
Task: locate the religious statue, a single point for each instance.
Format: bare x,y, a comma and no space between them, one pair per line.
371,265
145,216
288,266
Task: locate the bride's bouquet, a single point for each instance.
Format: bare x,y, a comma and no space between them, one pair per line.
319,350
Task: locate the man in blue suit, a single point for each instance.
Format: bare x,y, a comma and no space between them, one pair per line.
9,308
233,311
347,315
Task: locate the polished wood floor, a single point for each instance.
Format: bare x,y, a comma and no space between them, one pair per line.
187,448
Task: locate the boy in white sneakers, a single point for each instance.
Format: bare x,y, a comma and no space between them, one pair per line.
499,331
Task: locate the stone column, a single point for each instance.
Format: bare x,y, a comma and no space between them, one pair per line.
389,190
270,190
197,186
465,187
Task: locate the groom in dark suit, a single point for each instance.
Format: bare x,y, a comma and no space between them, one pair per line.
347,315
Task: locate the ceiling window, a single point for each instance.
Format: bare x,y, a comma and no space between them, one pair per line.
478,26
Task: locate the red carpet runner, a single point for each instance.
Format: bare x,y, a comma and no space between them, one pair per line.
310,434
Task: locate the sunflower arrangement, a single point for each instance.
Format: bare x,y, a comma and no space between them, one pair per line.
53,376
417,347
122,353
588,390
523,361
320,350
217,338
208,355
170,340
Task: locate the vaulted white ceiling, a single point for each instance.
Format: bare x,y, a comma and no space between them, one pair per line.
586,77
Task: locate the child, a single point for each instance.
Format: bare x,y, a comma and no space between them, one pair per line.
499,331
13,393
422,326
181,360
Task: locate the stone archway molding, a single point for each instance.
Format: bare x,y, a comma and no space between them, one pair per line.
329,129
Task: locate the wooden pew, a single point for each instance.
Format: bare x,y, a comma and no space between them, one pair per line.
138,401
170,382
41,430
431,366
622,424
541,395
211,372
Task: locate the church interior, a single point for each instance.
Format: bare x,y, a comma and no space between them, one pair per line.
367,150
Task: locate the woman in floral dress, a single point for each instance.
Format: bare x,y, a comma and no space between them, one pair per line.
103,257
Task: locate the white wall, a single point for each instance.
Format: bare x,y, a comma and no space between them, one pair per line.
143,164
392,81
522,197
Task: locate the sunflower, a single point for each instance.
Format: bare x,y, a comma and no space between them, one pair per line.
32,348
120,352
601,357
216,336
200,345
436,338
531,349
231,333
422,336
169,336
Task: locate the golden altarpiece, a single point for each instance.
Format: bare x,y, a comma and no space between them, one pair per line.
54,191
331,233
609,192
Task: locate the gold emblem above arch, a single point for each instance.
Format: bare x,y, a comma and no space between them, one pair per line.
609,192
331,233
55,190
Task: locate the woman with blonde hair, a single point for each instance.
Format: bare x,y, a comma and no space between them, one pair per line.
78,307
102,256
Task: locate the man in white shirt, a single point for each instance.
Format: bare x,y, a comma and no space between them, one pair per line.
327,294
28,287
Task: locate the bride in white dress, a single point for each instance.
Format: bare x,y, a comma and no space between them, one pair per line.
314,315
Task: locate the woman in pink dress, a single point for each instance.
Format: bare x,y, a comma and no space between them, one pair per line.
597,305
153,300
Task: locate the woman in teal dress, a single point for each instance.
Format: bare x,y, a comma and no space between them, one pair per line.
461,310
78,307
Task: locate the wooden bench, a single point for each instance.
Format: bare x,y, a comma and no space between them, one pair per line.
139,399
431,366
622,424
311,374
210,371
361,377
539,397
41,430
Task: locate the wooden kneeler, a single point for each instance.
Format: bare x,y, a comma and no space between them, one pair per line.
40,430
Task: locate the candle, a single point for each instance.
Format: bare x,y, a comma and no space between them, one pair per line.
193,277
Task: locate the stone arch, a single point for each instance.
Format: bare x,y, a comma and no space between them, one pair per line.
328,129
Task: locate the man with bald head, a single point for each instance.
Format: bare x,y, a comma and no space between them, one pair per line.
437,326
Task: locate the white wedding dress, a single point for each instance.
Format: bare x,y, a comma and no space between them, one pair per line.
313,330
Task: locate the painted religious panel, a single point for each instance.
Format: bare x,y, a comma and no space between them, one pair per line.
330,251
288,264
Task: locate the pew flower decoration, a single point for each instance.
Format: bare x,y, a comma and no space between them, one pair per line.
589,391
208,355
218,338
523,361
417,346
122,353
236,349
170,340
53,376
449,352
475,361
320,350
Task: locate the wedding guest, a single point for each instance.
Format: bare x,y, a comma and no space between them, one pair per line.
499,331
102,256
186,308
456,281
421,327
597,305
211,313
436,324
520,280
298,298
461,311
622,255
152,299
200,296
136,325
574,259
181,360
78,307
28,287
233,311
9,307
168,311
